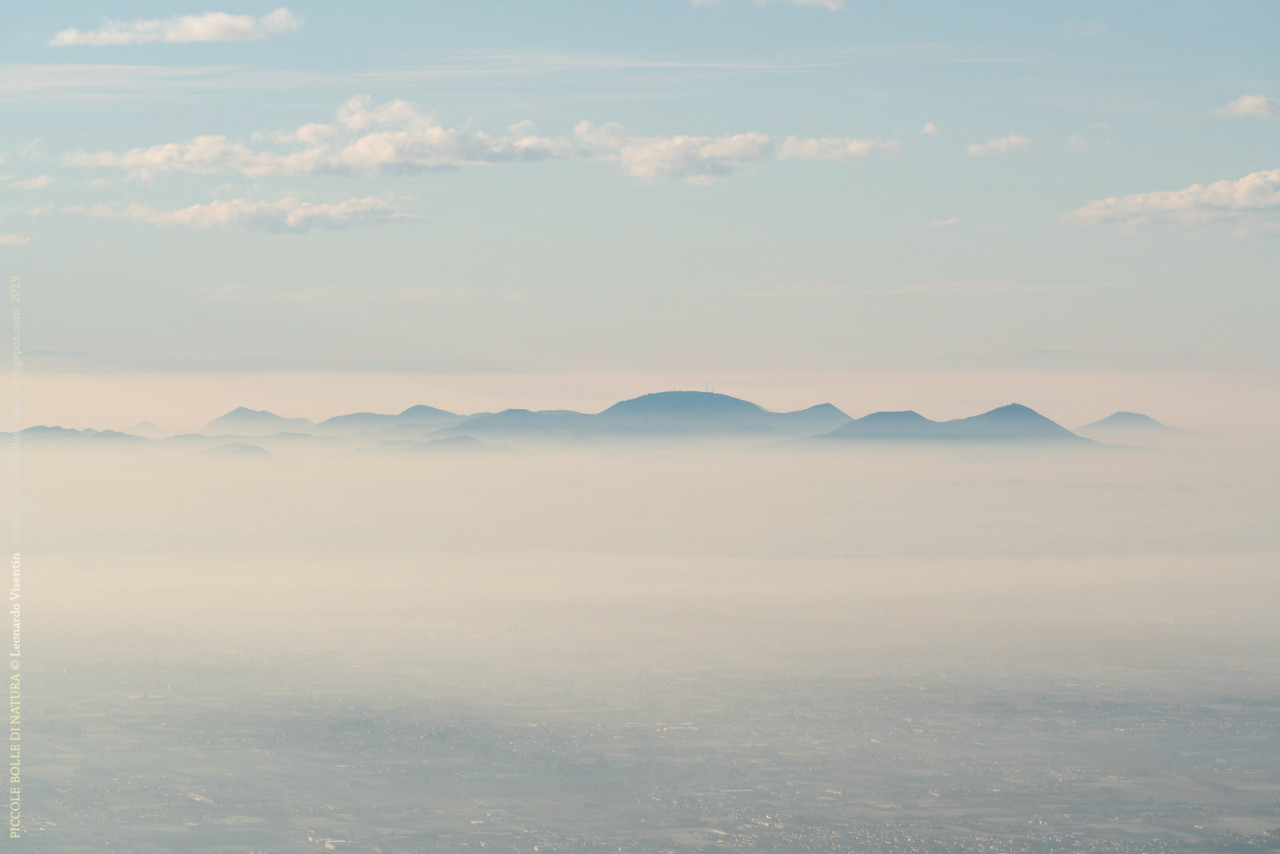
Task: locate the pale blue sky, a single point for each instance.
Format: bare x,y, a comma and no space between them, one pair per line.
768,200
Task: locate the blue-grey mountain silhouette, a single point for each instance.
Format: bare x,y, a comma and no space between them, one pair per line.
682,405
668,413
356,422
1012,423
242,421
1134,428
543,423
815,419
663,414
413,421
422,412
890,425
1128,422
44,434
706,413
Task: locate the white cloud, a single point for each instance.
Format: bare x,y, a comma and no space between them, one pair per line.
698,159
838,149
202,154
929,128
14,240
399,138
945,223
1249,201
701,159
207,27
1001,145
37,183
1252,105
287,214
403,138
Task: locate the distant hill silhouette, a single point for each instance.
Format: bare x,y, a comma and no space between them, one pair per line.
683,404
356,422
1128,421
42,434
243,421
684,412
523,422
1012,423
889,425
1131,427
423,413
815,419
668,413
415,420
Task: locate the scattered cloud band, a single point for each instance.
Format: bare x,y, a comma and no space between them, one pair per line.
207,27
400,138
1001,145
1251,201
1252,105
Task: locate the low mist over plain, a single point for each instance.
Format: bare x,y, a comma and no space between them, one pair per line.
654,645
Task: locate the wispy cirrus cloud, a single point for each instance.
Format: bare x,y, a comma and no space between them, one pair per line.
48,82
14,240
286,214
206,27
1252,105
1251,203
1000,145
400,138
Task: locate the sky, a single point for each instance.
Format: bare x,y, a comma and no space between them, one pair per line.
490,199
